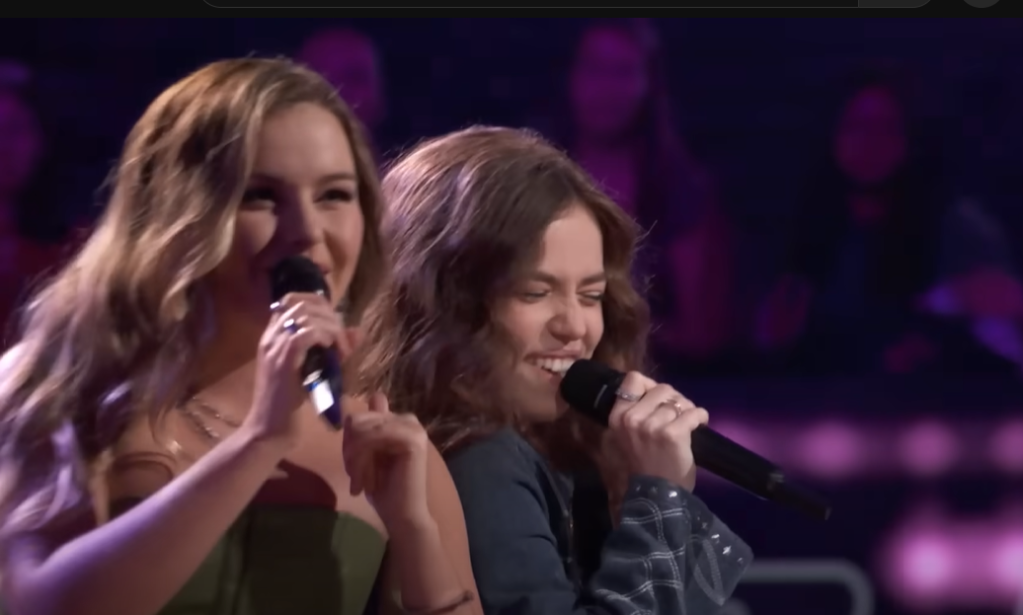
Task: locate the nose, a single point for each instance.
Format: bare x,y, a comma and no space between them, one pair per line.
299,225
568,325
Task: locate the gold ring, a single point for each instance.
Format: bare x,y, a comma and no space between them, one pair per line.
676,405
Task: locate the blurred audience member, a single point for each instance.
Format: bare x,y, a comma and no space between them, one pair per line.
31,228
866,243
621,130
349,59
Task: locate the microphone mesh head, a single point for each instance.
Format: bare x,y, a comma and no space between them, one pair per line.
296,274
590,387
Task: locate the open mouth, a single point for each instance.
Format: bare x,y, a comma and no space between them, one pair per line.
552,366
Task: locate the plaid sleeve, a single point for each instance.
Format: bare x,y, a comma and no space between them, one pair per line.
670,554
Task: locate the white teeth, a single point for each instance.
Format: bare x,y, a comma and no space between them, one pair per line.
558,366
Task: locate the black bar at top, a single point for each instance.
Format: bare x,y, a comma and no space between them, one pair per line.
892,4
688,4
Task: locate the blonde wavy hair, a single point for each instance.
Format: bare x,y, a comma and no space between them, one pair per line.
113,334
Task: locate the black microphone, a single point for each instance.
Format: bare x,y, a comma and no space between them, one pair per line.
321,369
590,388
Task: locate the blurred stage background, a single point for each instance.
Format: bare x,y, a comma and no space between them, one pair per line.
839,205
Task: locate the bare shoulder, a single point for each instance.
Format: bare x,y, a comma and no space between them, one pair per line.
442,492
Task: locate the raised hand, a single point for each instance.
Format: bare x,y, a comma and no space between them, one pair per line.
386,456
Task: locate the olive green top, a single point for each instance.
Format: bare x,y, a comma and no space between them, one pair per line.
286,561
278,560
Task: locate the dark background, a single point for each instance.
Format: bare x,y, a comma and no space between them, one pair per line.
938,457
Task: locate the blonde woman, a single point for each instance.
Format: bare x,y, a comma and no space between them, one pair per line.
157,451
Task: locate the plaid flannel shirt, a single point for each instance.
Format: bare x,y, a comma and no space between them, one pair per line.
668,555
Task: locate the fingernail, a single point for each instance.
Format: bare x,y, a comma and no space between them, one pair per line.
276,305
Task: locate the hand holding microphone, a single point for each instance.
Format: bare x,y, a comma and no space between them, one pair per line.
652,425
300,353
664,435
300,323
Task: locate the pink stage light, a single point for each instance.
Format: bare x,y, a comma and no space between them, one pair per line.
1006,447
1007,557
840,450
917,561
832,450
929,563
921,568
929,449
933,563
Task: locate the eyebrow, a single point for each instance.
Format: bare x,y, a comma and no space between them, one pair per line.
546,278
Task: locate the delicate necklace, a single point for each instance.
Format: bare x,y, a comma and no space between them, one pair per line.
195,418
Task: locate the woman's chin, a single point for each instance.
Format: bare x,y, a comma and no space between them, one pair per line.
561,406
544,410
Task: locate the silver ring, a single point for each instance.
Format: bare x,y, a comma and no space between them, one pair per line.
626,396
290,325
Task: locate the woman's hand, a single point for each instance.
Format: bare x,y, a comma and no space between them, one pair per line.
386,457
300,321
653,425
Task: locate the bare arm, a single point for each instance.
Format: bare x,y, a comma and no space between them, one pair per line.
429,566
134,564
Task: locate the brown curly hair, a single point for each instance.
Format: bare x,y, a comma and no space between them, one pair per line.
465,213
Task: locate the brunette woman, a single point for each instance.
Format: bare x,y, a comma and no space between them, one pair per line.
510,265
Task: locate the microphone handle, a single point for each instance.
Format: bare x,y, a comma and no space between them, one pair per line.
321,376
590,388
719,455
744,468
724,458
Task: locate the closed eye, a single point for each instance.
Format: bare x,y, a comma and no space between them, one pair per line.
256,196
338,195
